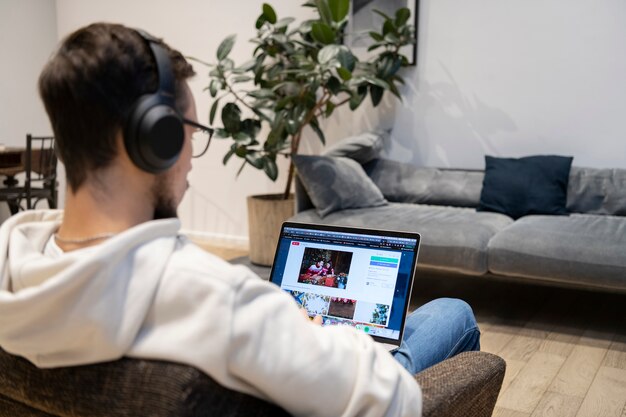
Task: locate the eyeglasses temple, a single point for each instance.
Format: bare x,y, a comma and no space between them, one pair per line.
199,126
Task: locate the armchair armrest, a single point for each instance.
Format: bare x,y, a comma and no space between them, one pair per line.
464,385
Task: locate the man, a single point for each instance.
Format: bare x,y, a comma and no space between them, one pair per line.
111,276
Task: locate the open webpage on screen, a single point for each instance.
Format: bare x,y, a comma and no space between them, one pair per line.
353,283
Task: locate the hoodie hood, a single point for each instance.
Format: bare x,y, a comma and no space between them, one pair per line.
85,306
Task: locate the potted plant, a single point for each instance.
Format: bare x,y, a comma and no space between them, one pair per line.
296,77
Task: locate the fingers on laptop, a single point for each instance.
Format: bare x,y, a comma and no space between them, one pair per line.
316,320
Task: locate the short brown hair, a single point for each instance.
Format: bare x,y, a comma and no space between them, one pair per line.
89,87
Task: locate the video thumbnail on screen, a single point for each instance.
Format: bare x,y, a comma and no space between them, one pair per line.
329,268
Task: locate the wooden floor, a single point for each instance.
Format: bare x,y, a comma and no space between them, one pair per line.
565,349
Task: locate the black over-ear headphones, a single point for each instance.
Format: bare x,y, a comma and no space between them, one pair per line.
154,132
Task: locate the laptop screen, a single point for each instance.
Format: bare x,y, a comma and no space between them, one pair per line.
355,277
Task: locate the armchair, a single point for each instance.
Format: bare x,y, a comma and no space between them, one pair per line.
467,385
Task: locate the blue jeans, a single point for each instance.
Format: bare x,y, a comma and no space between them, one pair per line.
436,331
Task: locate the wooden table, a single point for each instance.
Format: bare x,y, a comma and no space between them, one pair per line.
11,163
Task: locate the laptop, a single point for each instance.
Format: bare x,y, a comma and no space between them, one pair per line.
350,276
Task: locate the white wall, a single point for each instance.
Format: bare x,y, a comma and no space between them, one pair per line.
500,77
514,78
27,38
28,35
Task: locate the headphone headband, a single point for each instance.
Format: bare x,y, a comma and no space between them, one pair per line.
163,63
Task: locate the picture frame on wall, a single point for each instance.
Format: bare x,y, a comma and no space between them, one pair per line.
363,20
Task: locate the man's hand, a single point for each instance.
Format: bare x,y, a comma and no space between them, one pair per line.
316,320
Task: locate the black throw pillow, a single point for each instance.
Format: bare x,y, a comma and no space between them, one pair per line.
529,185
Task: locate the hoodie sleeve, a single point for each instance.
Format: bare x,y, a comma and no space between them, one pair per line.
311,370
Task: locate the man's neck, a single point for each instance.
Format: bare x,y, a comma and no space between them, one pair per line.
109,204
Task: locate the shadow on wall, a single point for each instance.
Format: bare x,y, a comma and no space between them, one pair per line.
439,125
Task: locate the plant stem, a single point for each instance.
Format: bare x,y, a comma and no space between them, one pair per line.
234,93
295,141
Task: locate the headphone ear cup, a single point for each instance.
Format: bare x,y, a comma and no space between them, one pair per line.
154,135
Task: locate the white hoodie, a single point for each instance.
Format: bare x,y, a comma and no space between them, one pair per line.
150,293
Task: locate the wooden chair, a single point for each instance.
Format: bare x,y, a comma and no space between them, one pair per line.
465,385
40,167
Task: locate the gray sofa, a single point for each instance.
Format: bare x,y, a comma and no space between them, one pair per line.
586,248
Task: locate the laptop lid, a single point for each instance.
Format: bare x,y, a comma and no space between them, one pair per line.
350,276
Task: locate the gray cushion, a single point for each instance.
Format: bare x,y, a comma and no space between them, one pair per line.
581,248
453,238
362,148
407,183
597,191
336,183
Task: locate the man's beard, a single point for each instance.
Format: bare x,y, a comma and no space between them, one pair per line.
164,205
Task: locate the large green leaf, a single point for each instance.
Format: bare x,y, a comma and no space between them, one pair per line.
213,110
395,91
225,47
316,128
376,81
386,17
334,85
269,13
330,107
231,117
262,93
251,127
346,58
292,126
327,53
243,139
324,11
242,78
322,33
255,159
344,73
221,133
213,87
376,36
230,153
283,102
259,22
402,15
270,168
356,100
388,27
241,151
339,9
375,46
376,94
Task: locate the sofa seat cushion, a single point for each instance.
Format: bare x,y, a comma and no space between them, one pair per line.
453,238
581,248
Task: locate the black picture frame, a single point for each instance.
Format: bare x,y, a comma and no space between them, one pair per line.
363,20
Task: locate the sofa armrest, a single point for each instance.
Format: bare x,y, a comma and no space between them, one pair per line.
464,385
303,201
